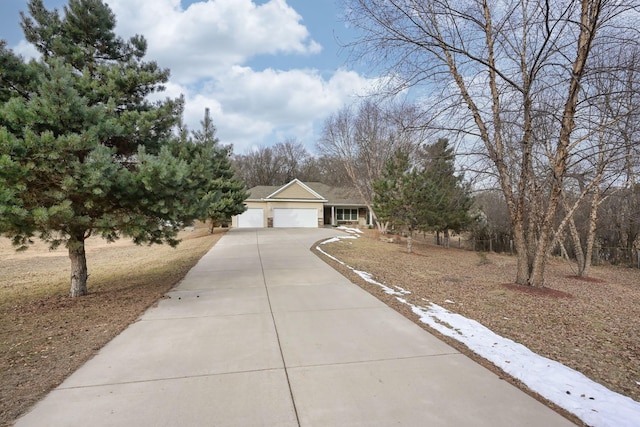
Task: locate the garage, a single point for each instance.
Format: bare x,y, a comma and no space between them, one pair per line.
295,218
251,218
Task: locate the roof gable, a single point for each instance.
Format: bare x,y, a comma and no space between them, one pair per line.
297,190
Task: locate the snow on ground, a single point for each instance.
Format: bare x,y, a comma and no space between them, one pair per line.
337,239
350,230
593,403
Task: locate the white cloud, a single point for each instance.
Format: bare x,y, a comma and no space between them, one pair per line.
251,107
26,50
208,47
285,96
208,36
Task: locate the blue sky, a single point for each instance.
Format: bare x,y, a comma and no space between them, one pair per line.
269,70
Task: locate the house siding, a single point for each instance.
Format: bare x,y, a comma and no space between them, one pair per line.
295,192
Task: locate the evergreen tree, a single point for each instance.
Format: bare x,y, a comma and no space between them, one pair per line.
82,150
449,197
401,196
226,193
15,76
423,195
387,189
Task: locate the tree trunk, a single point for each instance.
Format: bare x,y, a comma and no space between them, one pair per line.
563,251
543,248
591,236
522,272
536,278
577,243
382,226
79,272
409,242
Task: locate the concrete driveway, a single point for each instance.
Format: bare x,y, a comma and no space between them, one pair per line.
261,332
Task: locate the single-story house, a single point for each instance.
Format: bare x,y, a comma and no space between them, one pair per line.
299,204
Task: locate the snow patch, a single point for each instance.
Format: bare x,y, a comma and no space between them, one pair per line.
336,239
593,403
402,291
349,230
363,274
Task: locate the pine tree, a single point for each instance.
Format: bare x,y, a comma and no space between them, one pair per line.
15,76
82,150
401,196
226,194
387,189
449,197
423,194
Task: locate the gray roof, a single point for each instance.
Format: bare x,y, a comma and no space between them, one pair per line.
335,196
262,191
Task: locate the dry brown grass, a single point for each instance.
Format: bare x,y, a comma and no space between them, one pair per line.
45,335
591,326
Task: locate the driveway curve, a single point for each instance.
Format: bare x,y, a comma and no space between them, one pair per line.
262,332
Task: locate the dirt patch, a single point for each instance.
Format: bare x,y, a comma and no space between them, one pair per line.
591,326
541,292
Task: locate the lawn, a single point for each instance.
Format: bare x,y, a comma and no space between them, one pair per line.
45,335
591,325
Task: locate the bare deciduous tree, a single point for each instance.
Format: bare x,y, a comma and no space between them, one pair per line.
277,165
363,139
497,70
603,156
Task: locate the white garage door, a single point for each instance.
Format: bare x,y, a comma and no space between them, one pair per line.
307,218
251,218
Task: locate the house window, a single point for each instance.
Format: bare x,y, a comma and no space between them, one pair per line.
347,214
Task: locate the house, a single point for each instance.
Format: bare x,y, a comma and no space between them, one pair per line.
299,204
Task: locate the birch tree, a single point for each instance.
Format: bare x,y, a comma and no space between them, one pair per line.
497,70
603,164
